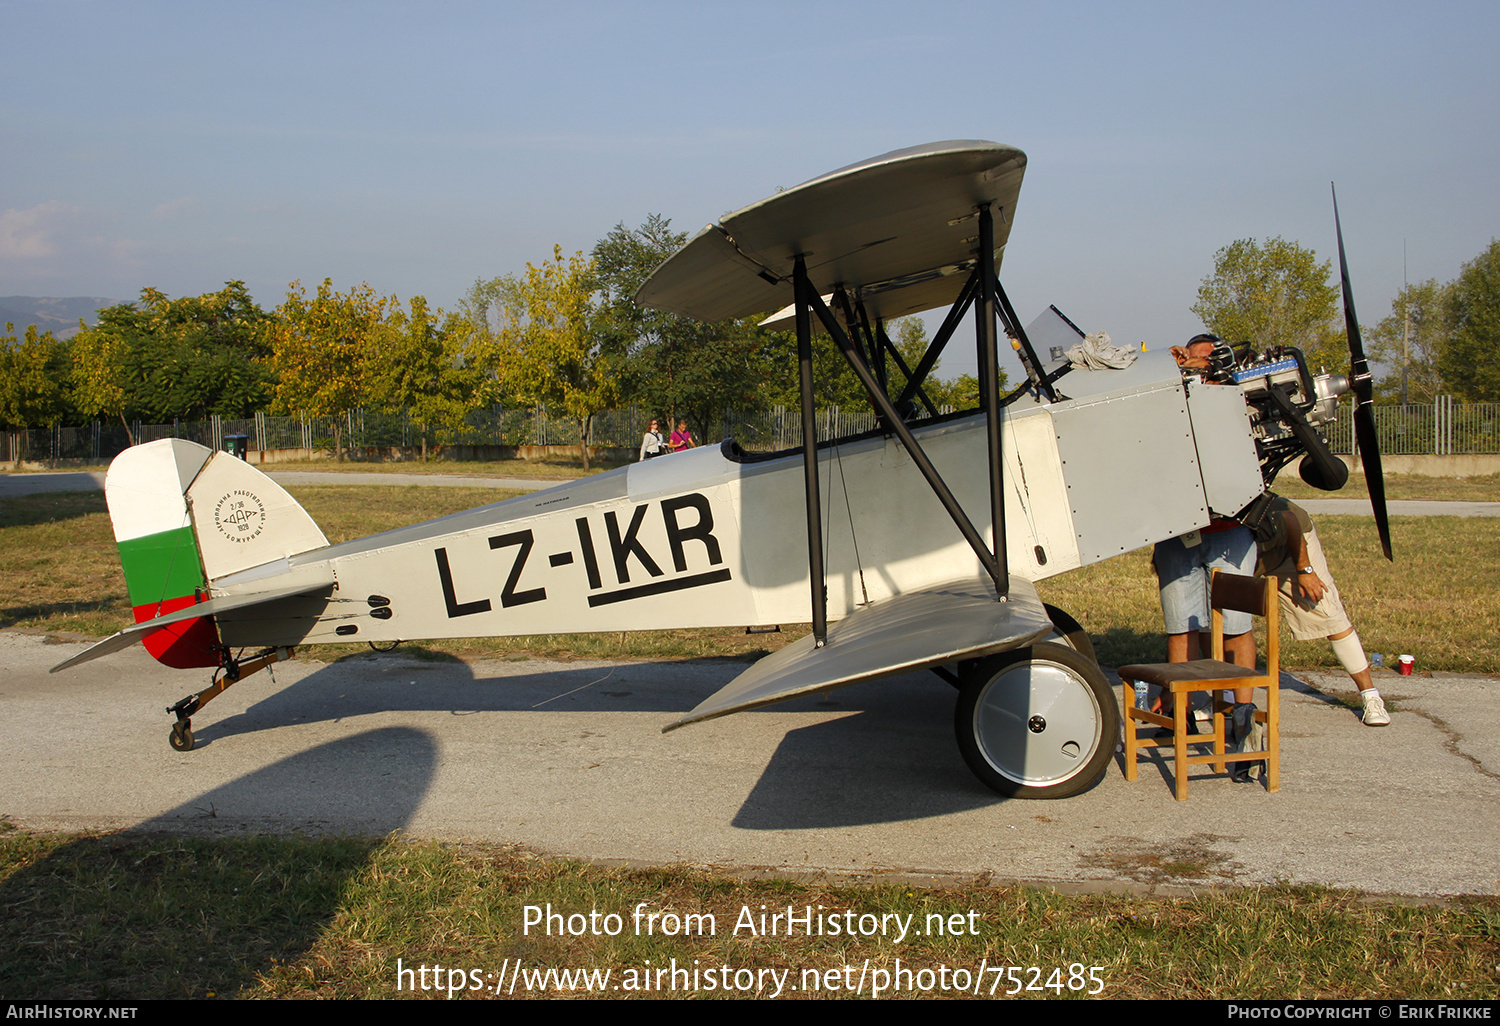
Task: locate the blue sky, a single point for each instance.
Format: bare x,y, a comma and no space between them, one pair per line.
420,147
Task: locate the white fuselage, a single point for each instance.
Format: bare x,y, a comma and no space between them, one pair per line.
701,539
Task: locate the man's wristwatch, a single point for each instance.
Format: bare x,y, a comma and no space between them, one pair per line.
1301,570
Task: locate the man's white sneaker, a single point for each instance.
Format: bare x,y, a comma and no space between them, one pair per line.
1375,714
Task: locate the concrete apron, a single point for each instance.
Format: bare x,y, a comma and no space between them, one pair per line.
865,782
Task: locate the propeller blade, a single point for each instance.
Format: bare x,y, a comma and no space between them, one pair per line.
1369,454
1363,387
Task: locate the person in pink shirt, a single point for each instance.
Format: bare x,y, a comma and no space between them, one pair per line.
682,438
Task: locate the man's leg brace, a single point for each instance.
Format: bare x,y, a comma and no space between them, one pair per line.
1350,652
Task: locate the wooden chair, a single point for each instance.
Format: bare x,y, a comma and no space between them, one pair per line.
1254,595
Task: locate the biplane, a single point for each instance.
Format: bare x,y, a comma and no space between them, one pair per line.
916,545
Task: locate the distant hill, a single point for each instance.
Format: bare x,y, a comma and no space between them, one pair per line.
59,316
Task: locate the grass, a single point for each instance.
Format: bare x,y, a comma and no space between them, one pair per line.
347,512
1485,488
58,566
136,917
59,572
1438,601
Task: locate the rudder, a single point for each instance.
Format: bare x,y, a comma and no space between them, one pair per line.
185,516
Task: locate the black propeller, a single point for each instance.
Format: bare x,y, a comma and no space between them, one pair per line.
1363,387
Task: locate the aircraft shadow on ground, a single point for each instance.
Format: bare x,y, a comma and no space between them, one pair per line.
385,682
158,912
895,761
11,615
79,495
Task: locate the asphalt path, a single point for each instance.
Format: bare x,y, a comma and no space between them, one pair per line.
26,484
61,481
863,782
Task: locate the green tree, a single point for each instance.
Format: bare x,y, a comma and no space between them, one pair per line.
836,384
32,369
321,349
834,381
165,358
1274,294
418,365
676,366
1418,324
481,312
207,354
550,347
1470,359
99,375
962,392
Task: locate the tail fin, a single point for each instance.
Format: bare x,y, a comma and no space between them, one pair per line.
185,516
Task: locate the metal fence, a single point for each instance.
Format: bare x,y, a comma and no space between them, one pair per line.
1441,428
777,428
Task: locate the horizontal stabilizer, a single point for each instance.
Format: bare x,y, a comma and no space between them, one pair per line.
942,624
136,632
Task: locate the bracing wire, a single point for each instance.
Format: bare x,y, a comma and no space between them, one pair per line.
859,565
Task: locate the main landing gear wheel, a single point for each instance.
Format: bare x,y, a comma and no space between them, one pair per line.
1072,632
181,737
1038,722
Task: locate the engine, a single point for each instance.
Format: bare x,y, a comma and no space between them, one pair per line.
1287,405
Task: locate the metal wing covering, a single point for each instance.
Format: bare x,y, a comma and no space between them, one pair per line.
937,625
900,229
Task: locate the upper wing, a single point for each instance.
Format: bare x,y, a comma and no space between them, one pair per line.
925,628
900,228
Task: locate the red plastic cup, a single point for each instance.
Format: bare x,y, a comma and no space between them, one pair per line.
1406,664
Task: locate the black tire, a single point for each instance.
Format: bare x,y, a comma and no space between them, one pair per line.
181,737
1038,722
1072,633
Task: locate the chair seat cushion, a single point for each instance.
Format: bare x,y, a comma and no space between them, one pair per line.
1165,674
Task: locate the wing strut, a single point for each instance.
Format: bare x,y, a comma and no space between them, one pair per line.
989,362
994,562
888,346
935,347
1028,355
803,289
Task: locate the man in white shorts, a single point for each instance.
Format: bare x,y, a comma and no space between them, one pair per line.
1310,605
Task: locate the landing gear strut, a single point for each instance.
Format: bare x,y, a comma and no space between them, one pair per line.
230,671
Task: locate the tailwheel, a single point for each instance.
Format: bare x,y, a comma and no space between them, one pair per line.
181,737
229,671
1038,722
